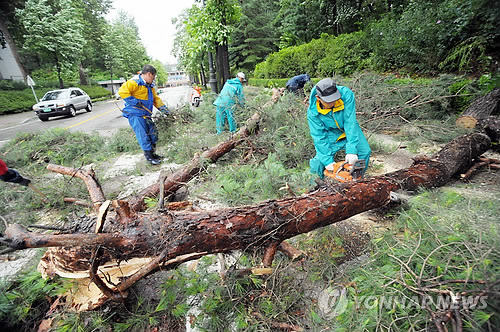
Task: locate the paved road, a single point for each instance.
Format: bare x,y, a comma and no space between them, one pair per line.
105,117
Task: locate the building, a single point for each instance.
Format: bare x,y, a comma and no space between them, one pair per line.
10,66
177,78
112,85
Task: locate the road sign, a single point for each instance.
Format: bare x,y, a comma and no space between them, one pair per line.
30,82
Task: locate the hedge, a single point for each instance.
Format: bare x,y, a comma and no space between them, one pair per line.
23,100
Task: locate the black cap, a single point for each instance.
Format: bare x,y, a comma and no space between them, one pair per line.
327,90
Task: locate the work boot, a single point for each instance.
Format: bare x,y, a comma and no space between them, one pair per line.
149,157
156,156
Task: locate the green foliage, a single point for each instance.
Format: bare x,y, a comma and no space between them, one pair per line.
326,56
53,31
12,85
123,52
24,300
435,241
254,37
468,56
250,184
465,98
429,35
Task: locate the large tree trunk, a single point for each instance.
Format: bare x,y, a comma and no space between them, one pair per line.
480,109
170,237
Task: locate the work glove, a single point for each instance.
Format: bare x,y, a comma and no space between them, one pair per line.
13,176
164,110
329,167
351,158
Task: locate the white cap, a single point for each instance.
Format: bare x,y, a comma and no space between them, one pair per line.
241,75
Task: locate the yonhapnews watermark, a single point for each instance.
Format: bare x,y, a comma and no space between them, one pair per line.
334,301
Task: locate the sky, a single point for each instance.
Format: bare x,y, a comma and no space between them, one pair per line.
154,19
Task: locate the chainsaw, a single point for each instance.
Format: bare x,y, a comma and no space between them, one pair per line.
344,172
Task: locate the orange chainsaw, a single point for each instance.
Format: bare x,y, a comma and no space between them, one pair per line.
344,172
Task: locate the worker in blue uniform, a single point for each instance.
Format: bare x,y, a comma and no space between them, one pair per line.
333,126
140,96
230,96
297,82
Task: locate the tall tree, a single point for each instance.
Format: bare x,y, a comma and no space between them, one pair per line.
94,26
124,52
161,72
189,45
255,36
53,31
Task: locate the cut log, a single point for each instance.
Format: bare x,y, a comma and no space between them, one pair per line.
491,126
480,109
181,177
173,237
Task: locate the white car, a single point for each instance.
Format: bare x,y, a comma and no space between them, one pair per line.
62,102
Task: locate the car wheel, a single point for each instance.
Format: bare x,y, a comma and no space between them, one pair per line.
72,111
89,106
43,118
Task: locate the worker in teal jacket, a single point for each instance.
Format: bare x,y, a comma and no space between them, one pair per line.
333,126
229,97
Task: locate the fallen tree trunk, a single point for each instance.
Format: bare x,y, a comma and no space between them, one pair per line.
169,238
175,181
491,126
480,109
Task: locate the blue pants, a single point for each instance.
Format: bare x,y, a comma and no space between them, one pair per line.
145,131
363,148
221,114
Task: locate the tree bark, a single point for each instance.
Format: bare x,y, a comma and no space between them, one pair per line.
172,237
491,126
480,109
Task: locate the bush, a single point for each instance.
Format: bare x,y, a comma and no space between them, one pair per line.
326,56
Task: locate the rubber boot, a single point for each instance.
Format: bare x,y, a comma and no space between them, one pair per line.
150,158
156,156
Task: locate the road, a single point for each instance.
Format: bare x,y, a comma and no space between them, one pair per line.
105,117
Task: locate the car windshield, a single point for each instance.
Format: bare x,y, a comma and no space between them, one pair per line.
53,95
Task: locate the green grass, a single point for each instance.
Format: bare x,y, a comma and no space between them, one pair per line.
442,236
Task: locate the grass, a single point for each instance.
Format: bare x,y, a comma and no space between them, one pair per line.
441,235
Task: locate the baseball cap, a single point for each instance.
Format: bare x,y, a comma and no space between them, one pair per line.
241,75
327,90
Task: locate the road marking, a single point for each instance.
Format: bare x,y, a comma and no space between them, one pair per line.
22,124
92,118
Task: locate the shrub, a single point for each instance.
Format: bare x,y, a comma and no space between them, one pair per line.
321,57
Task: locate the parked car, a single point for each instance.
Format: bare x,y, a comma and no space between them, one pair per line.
62,102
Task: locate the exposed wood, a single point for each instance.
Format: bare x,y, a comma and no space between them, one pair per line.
492,163
181,177
176,236
270,253
93,186
480,109
289,250
77,201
